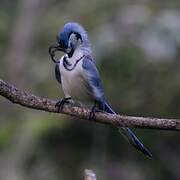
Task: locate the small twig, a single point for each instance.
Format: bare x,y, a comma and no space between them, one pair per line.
89,174
31,101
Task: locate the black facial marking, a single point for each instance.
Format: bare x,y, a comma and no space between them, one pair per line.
78,36
70,54
67,65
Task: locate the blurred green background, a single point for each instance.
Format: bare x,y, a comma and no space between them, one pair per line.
136,46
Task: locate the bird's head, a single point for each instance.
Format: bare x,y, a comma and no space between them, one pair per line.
69,39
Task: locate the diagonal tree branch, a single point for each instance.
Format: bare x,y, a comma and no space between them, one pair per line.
40,103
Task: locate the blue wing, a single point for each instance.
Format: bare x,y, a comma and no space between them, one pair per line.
95,86
57,73
92,79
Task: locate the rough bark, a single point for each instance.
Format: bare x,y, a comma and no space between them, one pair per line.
41,103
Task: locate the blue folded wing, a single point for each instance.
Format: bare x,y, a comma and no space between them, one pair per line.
94,85
92,79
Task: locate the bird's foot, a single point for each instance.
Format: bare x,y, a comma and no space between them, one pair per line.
61,103
93,111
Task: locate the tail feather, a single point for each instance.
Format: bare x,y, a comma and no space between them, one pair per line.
127,132
134,141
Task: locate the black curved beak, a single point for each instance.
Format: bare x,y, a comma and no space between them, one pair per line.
52,49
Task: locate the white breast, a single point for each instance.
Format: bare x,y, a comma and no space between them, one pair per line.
73,82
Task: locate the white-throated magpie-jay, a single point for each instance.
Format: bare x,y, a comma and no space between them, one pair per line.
77,73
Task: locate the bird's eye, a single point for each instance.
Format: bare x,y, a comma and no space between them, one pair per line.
75,35
78,36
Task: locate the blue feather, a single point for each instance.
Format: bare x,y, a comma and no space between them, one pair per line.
73,27
127,132
93,80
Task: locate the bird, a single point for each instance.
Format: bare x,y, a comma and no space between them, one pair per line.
79,77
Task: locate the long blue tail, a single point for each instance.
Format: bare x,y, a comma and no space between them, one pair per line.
127,132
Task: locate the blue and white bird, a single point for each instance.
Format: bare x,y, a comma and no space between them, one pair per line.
80,80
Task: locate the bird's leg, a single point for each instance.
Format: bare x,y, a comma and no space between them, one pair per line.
61,103
93,110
